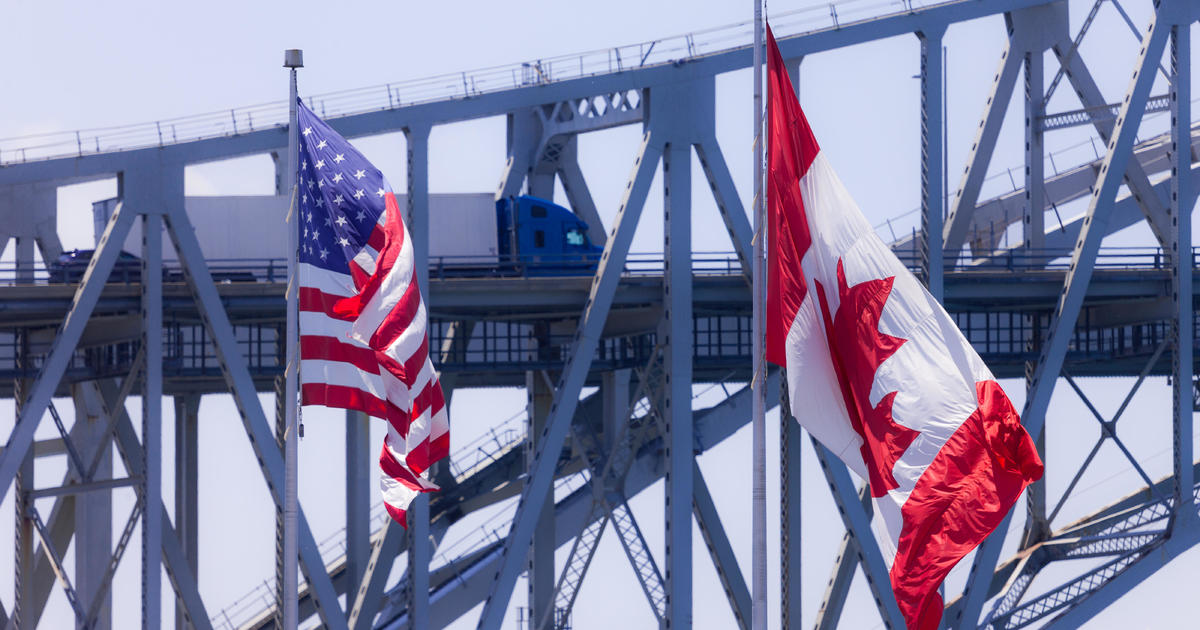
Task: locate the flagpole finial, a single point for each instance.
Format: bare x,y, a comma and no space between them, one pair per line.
293,58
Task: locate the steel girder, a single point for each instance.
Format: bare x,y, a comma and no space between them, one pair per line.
1112,172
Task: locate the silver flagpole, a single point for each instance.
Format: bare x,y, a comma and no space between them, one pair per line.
758,378
292,59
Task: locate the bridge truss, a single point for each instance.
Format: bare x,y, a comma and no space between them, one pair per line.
1053,308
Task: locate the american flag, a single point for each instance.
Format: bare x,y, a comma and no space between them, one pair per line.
363,343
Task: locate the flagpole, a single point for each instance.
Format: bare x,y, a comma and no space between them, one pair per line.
758,378
292,59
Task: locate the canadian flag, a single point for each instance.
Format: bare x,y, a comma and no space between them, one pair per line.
878,371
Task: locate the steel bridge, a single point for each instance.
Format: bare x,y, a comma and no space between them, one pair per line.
1053,307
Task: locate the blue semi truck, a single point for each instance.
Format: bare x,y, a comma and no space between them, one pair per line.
536,237
470,234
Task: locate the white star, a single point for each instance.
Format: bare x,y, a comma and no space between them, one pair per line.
320,202
359,174
359,194
307,131
339,200
328,222
379,193
310,217
339,158
341,220
324,253
322,144
310,184
320,164
360,216
303,165
321,184
316,234
337,178
305,232
343,242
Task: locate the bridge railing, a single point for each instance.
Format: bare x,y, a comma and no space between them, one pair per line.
444,87
227,271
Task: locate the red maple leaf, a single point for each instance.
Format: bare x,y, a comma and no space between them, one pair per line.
858,349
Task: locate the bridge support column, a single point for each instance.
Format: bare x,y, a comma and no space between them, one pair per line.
420,552
187,488
93,510
677,340
358,498
932,182
1182,271
541,552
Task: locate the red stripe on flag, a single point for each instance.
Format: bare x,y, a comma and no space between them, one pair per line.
792,150
972,483
398,515
399,472
377,238
343,397
333,349
439,447
317,301
352,307
399,318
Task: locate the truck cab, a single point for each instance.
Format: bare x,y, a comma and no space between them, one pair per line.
543,238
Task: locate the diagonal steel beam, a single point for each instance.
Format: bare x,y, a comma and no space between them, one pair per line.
1135,176
958,221
178,569
1066,312
245,396
844,565
724,560
595,312
729,203
578,194
86,296
858,523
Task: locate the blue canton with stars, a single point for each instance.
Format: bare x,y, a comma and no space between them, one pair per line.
341,195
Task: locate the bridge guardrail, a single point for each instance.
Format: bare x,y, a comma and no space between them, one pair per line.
638,264
444,87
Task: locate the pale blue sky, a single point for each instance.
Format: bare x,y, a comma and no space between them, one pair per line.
83,65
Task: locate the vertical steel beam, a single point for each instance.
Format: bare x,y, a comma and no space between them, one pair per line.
1033,223
358,497
791,437
676,338
1182,269
541,551
150,190
187,488
93,510
1062,323
932,203
23,567
419,551
1033,218
566,396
